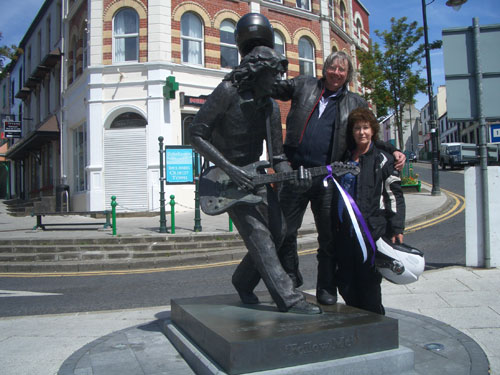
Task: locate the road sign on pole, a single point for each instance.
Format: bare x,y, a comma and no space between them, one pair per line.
460,72
495,133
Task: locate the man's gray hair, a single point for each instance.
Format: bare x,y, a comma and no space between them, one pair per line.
339,55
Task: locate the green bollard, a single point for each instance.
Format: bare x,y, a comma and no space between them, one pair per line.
113,214
172,214
230,225
163,219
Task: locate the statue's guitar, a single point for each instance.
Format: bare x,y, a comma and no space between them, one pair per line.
218,192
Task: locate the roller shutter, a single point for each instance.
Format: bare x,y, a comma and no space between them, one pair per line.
125,169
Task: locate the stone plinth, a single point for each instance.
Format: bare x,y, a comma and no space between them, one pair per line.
248,338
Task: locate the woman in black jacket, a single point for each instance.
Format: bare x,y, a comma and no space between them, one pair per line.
378,195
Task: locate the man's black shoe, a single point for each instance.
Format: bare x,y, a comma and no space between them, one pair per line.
248,298
326,298
303,307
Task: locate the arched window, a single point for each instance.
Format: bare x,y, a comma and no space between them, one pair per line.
191,39
306,57
228,49
342,15
128,120
126,35
358,29
279,43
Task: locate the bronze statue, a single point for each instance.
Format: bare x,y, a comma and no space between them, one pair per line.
229,130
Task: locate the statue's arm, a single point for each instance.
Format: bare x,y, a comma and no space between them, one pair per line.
202,127
284,89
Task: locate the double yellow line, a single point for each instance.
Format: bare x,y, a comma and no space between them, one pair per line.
458,206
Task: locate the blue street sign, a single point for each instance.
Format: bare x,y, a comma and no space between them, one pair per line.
179,165
495,133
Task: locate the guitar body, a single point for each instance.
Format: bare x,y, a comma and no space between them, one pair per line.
218,192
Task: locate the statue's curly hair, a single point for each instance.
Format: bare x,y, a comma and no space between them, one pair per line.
260,58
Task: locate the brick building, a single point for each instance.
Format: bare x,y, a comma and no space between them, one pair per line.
116,57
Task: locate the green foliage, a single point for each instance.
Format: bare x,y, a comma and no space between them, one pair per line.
7,53
392,73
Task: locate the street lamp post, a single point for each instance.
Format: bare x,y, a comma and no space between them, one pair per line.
432,118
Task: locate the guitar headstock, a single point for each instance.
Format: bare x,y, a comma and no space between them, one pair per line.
339,168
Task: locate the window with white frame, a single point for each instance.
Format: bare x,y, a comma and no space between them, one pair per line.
191,39
304,4
228,49
277,1
331,8
279,45
80,158
126,35
306,57
342,15
358,29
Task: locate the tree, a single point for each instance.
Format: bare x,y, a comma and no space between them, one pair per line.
7,53
392,75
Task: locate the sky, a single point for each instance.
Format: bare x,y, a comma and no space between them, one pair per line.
16,17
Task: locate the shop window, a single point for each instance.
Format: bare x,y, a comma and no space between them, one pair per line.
186,119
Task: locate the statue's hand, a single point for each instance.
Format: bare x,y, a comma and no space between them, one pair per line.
302,181
240,177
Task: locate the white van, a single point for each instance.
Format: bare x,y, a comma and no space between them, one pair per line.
458,155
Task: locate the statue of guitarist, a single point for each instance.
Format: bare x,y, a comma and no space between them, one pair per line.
229,130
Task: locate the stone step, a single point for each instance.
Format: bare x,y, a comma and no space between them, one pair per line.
93,265
128,247
124,240
104,255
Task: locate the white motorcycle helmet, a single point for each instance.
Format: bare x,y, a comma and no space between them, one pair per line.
399,263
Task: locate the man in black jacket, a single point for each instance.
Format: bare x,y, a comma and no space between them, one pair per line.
315,136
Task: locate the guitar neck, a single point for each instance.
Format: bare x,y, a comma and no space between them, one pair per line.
263,179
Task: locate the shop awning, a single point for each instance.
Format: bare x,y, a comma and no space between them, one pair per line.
46,132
